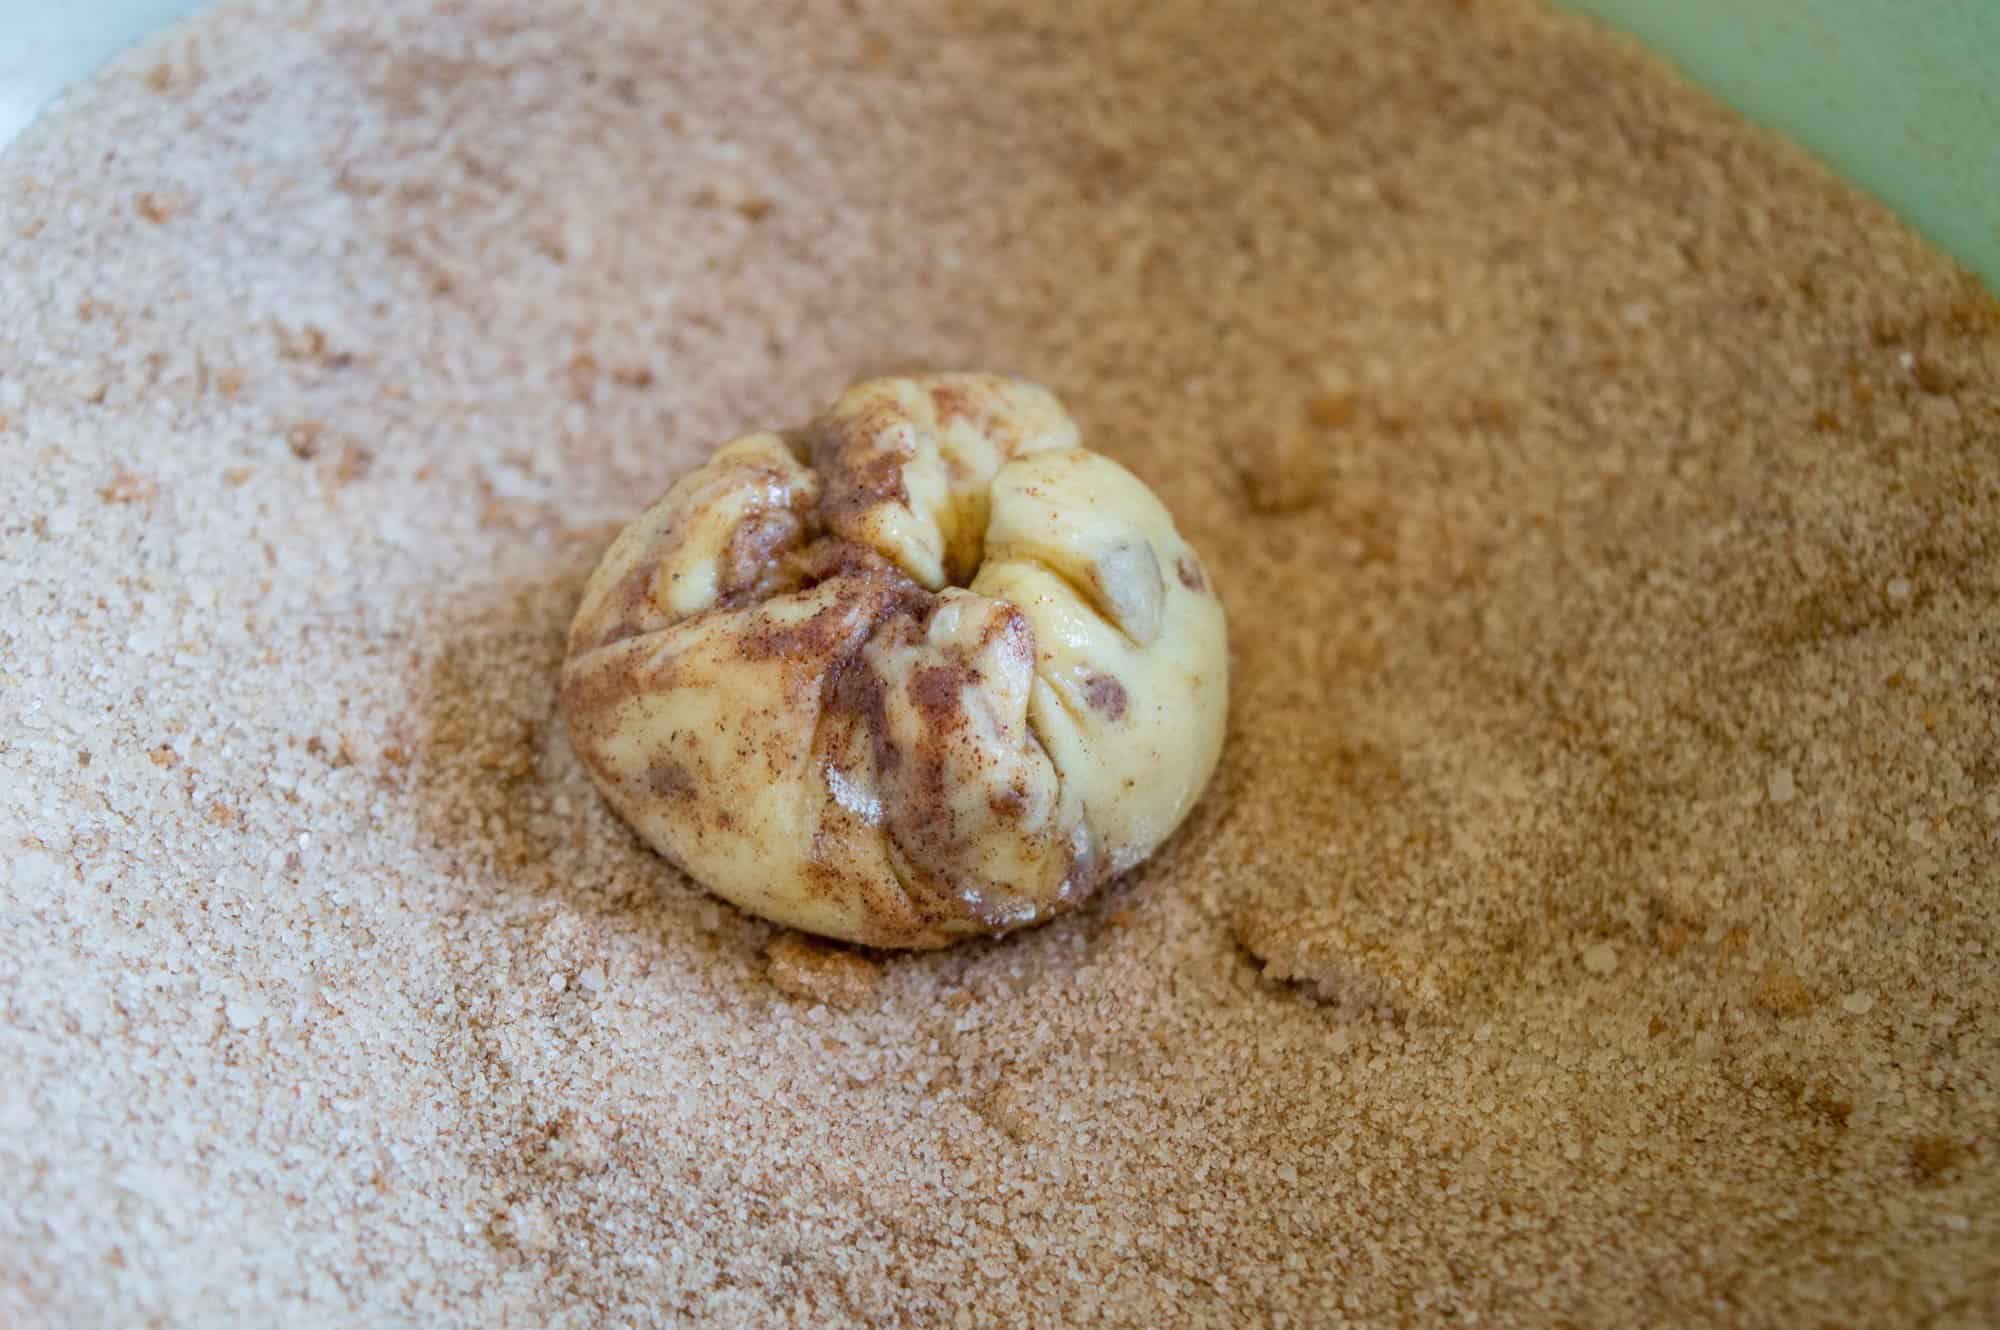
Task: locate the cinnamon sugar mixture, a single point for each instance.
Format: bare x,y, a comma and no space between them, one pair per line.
1593,921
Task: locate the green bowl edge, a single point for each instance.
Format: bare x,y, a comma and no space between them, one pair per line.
1901,97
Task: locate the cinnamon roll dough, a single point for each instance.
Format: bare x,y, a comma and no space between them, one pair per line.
924,670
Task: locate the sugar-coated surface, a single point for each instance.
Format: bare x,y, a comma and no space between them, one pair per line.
1613,770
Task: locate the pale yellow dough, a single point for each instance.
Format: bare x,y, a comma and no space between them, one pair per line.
923,670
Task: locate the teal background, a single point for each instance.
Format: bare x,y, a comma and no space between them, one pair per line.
46,45
1902,97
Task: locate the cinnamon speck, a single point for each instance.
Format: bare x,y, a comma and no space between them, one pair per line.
303,438
580,376
1105,695
157,208
304,343
129,487
352,465
1330,410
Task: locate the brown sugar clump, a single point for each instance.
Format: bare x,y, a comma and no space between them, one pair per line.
1935,1156
1281,470
802,967
1783,993
1311,947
